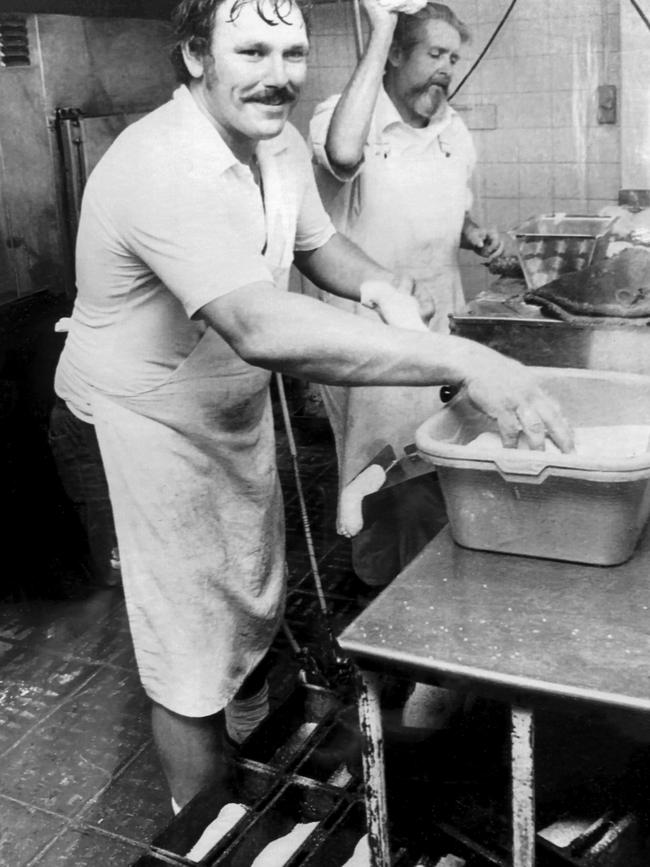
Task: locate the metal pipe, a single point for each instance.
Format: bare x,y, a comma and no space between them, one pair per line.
523,791
372,754
358,29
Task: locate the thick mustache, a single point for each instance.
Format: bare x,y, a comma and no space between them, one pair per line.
276,96
442,82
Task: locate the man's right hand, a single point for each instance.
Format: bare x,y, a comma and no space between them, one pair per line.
510,394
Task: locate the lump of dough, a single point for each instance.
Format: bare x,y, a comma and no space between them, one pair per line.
227,818
350,518
361,855
614,442
490,441
279,851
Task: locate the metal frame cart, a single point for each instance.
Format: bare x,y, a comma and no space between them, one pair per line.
505,626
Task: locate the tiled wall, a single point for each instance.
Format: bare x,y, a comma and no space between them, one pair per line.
546,151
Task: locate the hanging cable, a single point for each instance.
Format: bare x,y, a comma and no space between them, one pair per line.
313,562
288,634
644,17
486,48
358,29
329,667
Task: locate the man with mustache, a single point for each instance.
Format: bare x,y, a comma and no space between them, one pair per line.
189,225
394,162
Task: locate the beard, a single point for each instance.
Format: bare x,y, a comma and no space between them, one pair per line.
427,101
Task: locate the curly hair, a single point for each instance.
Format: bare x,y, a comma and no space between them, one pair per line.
193,24
406,30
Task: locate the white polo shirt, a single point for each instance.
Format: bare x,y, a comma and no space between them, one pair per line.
170,221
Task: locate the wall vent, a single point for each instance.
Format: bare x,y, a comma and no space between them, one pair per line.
14,44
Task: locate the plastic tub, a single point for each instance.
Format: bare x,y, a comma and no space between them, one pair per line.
556,244
539,504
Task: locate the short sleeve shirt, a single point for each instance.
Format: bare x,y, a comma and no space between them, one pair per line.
170,221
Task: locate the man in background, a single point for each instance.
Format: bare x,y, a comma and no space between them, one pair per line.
394,164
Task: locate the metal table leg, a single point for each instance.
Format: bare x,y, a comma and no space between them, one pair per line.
523,792
373,769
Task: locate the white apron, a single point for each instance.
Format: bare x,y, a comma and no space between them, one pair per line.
198,510
406,212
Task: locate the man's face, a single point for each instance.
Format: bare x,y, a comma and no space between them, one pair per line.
254,72
421,80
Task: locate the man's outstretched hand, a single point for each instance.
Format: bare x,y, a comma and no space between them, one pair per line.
510,394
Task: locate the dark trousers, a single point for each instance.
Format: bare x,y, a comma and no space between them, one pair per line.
79,464
398,523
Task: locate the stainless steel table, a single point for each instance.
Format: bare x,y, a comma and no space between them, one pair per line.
504,625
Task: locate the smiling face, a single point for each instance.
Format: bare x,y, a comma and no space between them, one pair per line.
418,80
253,73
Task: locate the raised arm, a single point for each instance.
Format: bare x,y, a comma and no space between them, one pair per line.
348,129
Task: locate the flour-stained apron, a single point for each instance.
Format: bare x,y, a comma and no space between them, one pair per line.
407,213
198,510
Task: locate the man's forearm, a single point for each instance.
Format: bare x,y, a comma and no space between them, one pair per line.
340,267
303,337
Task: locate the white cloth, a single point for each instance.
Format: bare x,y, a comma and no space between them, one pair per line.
408,7
405,207
170,221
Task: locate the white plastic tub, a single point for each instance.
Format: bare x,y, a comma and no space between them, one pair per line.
539,504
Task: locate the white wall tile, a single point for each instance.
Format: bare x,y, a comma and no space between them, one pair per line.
502,213
535,10
496,75
575,32
570,144
535,145
603,181
533,74
500,181
612,32
535,179
595,206
603,144
569,109
570,180
492,10
331,18
465,10
529,37
502,46
334,51
578,207
521,111
533,207
612,68
498,146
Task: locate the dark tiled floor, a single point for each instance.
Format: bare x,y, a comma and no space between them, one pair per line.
80,782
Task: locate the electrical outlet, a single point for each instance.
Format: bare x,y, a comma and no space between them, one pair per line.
607,103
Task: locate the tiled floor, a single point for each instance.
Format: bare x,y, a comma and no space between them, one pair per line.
80,782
